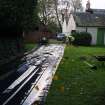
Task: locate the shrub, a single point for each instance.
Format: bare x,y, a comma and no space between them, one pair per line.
82,38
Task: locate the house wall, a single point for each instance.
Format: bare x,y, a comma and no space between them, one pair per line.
64,27
71,24
67,28
92,31
81,29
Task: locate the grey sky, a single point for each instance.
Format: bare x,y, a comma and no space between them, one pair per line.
99,4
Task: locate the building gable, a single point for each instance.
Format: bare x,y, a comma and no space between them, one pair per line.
67,28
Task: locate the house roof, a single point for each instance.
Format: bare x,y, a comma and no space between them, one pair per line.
86,19
99,11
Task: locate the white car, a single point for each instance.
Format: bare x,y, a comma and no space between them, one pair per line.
60,36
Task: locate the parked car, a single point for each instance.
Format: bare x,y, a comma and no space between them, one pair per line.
60,36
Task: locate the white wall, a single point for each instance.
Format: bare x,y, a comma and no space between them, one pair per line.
81,29
67,28
92,31
71,24
64,27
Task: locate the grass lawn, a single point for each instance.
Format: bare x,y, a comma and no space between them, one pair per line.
30,46
75,83
54,41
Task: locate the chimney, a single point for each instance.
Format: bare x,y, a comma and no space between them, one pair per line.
88,9
88,5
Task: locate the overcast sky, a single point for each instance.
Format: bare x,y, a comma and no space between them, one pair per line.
99,4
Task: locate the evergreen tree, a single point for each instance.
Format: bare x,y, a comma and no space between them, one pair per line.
17,15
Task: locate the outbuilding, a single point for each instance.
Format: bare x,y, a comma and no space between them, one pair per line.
94,23
91,21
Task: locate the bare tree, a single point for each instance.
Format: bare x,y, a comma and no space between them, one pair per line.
57,14
76,5
49,10
46,10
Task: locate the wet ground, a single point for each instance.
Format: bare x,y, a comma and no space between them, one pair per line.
32,77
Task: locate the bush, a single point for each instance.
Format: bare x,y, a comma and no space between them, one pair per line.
82,38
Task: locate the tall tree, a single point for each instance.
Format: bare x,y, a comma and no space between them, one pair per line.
57,13
73,5
17,15
76,5
46,10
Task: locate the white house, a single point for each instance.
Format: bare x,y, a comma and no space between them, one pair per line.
92,21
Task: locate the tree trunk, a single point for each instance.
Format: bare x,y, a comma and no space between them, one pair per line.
56,10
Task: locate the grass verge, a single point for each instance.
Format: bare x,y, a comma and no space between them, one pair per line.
30,46
54,41
75,83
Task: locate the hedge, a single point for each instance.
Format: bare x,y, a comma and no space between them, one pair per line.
82,38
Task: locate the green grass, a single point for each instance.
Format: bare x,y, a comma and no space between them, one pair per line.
29,46
75,83
54,41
